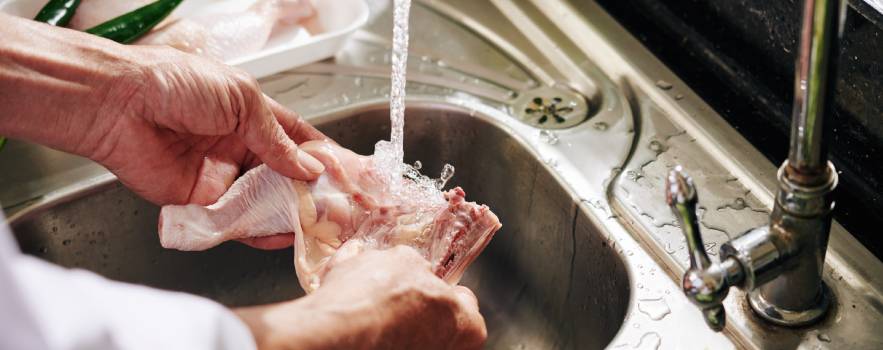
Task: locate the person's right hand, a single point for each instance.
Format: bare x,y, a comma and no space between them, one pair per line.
385,299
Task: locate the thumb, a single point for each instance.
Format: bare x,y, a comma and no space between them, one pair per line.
263,135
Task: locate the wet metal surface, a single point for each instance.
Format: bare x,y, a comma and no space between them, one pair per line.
589,253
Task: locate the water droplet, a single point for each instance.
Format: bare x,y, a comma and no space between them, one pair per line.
662,84
655,308
600,126
649,341
634,175
738,204
656,146
679,97
668,248
709,248
824,337
66,242
640,286
552,162
630,253
446,175
549,136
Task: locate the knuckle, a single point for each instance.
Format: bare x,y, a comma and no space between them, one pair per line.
280,151
246,83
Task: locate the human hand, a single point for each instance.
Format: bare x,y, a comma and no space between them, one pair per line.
174,128
191,126
375,300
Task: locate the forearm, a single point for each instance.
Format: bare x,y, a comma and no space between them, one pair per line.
55,84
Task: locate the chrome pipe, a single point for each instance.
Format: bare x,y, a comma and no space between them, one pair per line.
814,84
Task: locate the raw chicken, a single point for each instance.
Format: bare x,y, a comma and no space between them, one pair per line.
350,208
91,13
229,35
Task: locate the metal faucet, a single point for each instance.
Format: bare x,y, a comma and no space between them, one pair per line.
780,264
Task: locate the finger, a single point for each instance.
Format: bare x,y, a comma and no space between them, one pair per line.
466,297
264,136
215,176
472,329
295,127
270,242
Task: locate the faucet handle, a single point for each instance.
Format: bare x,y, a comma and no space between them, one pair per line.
705,284
680,194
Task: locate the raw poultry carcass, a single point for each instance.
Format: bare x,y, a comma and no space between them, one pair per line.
355,205
226,36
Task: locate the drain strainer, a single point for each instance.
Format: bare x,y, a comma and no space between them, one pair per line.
551,108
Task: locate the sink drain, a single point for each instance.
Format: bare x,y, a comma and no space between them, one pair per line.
551,108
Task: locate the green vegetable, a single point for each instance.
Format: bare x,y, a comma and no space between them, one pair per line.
2,142
58,12
131,26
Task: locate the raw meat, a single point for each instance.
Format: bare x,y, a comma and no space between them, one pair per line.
91,13
229,35
352,207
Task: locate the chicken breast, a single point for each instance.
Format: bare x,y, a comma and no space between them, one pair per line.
352,207
229,35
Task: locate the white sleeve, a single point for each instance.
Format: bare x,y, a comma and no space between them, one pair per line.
76,309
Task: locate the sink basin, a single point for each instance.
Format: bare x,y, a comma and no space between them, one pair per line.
548,280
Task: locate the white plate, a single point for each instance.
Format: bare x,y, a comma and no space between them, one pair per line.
319,38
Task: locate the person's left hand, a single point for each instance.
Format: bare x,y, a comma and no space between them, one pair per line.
193,127
174,127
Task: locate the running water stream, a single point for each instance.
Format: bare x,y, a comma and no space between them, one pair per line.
390,154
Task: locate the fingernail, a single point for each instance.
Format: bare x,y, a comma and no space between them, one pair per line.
310,163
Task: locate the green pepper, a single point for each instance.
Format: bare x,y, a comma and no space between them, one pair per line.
58,12
131,26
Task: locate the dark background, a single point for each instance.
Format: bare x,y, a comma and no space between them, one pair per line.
739,56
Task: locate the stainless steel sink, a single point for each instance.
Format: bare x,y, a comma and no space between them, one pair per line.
549,279
588,249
